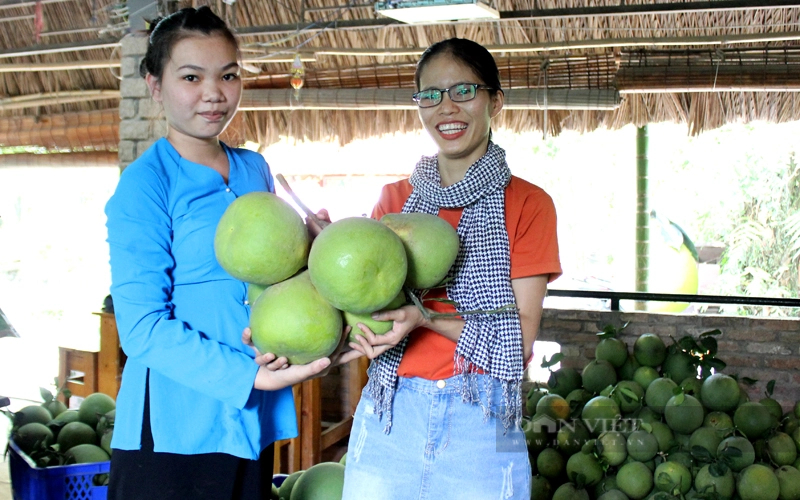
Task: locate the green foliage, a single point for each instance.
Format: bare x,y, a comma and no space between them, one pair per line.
764,248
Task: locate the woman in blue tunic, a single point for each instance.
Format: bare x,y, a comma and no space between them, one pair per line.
196,415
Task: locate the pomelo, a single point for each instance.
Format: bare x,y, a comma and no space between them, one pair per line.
85,454
571,437
254,291
358,264
597,375
707,438
649,350
780,449
672,477
600,414
55,406
789,482
32,413
658,393
292,319
540,487
628,368
285,490
743,455
642,446
261,239
753,420
568,491
323,481
708,483
613,350
553,406
585,464
612,447
93,407
758,482
105,423
564,380
431,245
679,365
664,435
720,392
720,421
32,436
532,398
684,413
635,479
74,434
550,463
629,395
644,376
377,327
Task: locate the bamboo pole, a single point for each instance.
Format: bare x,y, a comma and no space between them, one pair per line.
642,213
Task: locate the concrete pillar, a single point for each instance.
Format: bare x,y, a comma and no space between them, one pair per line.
141,120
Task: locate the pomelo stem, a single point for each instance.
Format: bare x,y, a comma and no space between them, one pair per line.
429,315
311,215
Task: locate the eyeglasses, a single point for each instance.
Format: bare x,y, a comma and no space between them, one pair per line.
461,92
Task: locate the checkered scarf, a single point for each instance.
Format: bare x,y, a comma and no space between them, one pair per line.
480,280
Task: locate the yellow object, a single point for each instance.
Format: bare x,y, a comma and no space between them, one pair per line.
671,271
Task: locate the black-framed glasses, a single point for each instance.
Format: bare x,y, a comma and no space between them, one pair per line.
461,92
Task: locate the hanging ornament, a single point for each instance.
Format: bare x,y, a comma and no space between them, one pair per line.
298,75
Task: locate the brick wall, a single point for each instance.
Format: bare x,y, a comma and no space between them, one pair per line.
762,349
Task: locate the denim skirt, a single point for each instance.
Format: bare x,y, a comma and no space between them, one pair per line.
438,447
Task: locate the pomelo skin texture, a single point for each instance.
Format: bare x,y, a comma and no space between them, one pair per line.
377,327
358,264
261,239
291,319
431,246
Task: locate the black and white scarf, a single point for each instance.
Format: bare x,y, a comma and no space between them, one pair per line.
480,279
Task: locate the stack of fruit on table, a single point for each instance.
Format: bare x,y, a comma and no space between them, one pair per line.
658,423
302,294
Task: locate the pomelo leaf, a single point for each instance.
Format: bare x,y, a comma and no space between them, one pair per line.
716,331
701,454
770,387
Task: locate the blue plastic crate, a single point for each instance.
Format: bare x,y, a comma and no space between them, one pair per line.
65,482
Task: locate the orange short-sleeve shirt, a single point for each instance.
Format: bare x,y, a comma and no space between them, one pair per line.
531,225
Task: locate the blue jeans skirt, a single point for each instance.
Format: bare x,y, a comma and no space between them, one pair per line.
438,447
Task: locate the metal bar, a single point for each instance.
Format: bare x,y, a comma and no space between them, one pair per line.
675,297
15,4
60,48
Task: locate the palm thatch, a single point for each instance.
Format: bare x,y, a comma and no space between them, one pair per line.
700,65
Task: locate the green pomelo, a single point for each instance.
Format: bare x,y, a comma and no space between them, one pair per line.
613,350
254,291
642,446
291,319
628,368
629,395
664,435
377,327
613,495
600,414
649,350
532,398
737,452
537,433
86,454
540,487
679,366
285,490
577,399
343,460
719,420
606,484
105,441
684,413
773,406
780,449
32,436
61,420
358,264
789,423
658,393
568,491
75,433
788,482
571,437
635,479
587,465
261,239
753,420
550,463
105,423
691,385
31,413
707,438
758,482
56,407
431,245
720,392
796,437
707,482
323,481
554,406
564,380
613,447
682,457
796,409
93,407
597,375
672,477
645,375
646,414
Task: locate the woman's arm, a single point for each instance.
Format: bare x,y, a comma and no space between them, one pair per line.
529,293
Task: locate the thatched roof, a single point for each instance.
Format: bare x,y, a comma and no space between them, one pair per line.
703,64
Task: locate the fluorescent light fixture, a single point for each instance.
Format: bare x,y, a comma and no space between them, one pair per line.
427,11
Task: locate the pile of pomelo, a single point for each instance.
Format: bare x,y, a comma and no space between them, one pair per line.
52,435
322,481
303,293
658,422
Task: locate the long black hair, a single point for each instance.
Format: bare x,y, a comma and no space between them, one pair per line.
167,31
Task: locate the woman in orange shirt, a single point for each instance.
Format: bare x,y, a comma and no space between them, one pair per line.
440,416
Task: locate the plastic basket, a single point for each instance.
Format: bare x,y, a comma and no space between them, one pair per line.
65,482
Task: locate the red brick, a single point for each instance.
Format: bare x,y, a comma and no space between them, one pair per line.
749,335
728,346
741,361
782,362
